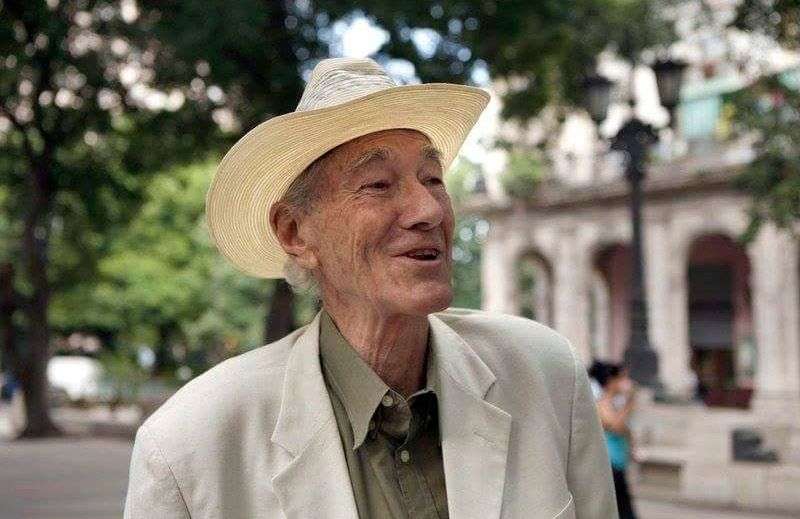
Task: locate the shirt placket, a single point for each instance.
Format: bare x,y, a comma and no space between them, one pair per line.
408,460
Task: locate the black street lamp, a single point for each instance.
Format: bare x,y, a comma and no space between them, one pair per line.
669,77
634,140
597,91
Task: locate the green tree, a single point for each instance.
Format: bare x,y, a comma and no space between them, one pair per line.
777,19
83,118
523,174
470,230
163,283
468,238
770,110
542,50
64,134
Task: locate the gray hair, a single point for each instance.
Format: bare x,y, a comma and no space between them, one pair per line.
300,198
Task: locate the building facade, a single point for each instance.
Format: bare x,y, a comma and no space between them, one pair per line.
724,316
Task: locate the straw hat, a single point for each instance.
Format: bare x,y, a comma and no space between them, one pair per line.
344,99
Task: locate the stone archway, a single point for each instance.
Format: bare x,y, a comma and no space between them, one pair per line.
612,265
534,283
721,342
599,316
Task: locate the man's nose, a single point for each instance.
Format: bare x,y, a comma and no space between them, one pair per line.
420,209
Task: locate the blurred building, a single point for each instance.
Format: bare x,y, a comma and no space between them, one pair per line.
724,316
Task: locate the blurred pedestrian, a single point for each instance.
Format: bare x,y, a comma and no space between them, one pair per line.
12,406
615,405
597,389
8,385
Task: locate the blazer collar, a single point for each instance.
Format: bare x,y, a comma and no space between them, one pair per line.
474,433
456,359
315,482
303,408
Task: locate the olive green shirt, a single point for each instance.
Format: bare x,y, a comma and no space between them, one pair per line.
391,444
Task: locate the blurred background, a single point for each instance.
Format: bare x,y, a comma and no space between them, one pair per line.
634,183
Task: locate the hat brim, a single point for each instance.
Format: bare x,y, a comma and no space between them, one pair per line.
258,169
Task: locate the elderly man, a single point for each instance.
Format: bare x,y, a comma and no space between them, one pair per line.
387,404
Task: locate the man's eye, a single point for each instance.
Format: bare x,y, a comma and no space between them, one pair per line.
381,184
435,181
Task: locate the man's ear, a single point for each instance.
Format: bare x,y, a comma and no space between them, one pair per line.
286,224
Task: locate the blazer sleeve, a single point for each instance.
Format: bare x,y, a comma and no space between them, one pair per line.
152,488
589,470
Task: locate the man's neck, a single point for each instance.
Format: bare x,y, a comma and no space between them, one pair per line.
395,347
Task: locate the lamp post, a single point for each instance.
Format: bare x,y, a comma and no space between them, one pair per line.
634,140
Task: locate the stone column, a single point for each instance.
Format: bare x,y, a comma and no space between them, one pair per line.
667,312
600,335
790,302
774,284
571,291
498,269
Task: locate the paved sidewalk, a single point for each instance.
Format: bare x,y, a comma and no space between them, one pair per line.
86,478
64,478
659,510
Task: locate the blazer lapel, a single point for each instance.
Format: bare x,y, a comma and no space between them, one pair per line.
474,432
315,483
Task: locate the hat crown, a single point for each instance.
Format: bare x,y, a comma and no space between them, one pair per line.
338,80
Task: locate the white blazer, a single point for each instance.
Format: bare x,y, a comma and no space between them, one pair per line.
255,437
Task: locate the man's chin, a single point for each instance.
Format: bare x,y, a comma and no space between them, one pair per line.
429,298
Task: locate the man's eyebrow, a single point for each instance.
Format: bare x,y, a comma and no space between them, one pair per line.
381,154
373,154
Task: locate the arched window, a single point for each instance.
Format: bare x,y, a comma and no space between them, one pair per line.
720,321
534,288
612,267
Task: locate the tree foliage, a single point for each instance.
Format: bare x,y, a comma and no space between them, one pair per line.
777,19
523,174
65,133
541,50
462,180
769,110
163,283
470,232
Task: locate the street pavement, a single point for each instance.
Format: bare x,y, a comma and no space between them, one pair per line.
86,478
63,478
660,510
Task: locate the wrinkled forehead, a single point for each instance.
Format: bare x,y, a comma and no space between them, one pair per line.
383,145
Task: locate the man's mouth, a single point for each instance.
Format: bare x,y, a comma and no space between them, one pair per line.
427,254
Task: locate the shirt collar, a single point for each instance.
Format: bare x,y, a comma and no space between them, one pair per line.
355,383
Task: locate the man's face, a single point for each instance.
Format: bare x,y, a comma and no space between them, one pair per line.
381,228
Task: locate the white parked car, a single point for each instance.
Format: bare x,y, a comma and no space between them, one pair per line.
80,378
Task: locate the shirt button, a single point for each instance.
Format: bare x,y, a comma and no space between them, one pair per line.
387,400
404,456
371,425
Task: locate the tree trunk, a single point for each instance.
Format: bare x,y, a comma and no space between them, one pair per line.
286,89
280,319
8,306
165,360
33,377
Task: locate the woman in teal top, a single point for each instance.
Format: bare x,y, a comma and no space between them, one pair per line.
618,450
614,404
